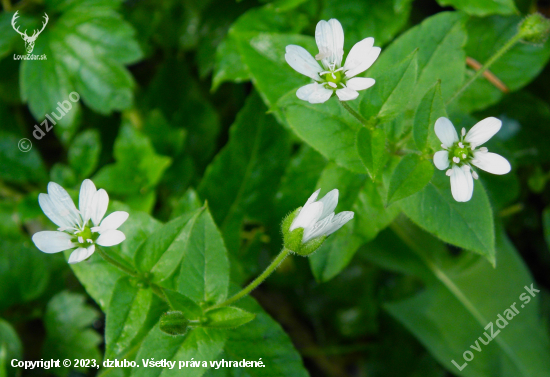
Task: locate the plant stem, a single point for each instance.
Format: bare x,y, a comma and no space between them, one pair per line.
486,66
268,271
357,116
117,264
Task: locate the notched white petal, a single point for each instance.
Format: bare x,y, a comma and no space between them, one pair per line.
99,206
374,53
81,254
85,199
360,83
52,212
110,238
491,162
52,241
113,221
339,221
446,132
330,201
330,41
302,61
63,203
441,160
483,131
321,95
305,91
460,185
347,94
308,216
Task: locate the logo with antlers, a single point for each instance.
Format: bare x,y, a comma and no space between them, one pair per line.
29,41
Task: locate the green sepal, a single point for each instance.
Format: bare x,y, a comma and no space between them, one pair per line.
227,317
292,240
310,246
174,323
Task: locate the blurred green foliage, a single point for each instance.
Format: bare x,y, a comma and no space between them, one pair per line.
188,117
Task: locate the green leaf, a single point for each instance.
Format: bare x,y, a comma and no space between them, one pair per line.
86,48
411,175
132,312
256,155
137,164
21,258
357,193
247,52
482,7
361,19
440,40
17,166
68,333
199,344
183,304
467,225
83,154
228,317
264,339
457,289
392,91
371,147
327,128
162,253
63,175
516,68
431,108
204,274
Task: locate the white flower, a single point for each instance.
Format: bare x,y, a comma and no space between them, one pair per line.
317,217
332,76
74,229
461,154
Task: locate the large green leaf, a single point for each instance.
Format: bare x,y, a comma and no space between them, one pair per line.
467,225
256,157
86,48
327,128
361,19
482,7
69,336
410,175
18,166
132,312
516,68
452,312
431,108
440,40
83,155
371,147
357,193
204,273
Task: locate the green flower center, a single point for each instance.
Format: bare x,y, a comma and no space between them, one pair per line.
337,78
461,151
86,235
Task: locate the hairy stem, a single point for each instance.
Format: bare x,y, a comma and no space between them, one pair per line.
486,66
268,271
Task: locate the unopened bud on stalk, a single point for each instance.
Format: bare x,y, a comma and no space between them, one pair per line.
534,28
174,323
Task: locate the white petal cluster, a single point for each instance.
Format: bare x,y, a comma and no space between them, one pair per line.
458,155
317,218
331,76
74,229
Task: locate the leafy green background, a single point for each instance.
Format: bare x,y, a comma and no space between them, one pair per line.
188,117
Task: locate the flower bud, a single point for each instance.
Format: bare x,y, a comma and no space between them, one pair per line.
174,323
534,28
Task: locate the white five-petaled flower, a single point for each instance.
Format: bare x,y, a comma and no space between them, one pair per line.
317,217
332,76
461,154
74,229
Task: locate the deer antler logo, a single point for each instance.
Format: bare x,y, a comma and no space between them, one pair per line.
29,41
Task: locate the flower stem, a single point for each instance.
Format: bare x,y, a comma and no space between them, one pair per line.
268,271
356,115
116,263
515,39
